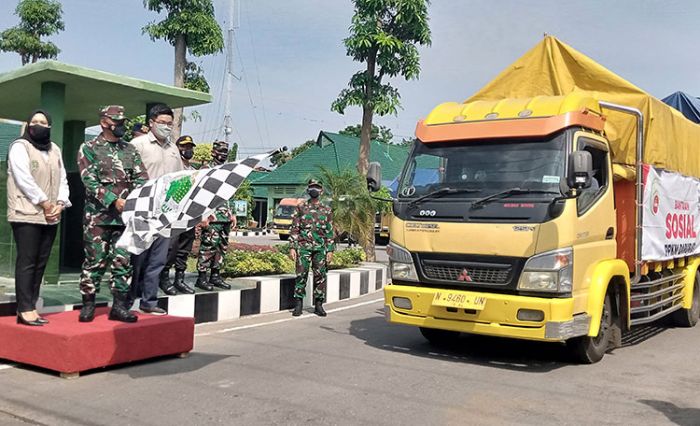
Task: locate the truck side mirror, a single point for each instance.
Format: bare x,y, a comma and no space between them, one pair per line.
374,177
580,170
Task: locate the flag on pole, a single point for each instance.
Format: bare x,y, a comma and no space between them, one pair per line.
177,202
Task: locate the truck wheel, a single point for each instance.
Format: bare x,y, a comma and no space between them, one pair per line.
284,237
439,337
589,350
689,317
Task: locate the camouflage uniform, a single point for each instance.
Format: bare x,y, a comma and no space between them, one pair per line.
312,237
109,171
214,238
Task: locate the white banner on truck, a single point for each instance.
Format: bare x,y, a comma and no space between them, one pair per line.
671,215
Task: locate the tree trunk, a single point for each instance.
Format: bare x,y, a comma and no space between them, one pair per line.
180,63
368,247
365,137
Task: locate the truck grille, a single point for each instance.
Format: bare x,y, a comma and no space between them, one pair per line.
468,274
469,270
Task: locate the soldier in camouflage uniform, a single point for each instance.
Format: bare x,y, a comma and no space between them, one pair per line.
109,168
214,237
312,245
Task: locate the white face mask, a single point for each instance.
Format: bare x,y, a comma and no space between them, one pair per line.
162,131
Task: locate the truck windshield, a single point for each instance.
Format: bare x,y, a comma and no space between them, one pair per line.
284,211
484,168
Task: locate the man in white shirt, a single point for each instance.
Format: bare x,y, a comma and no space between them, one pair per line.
160,156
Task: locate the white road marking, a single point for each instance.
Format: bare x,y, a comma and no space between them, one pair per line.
244,327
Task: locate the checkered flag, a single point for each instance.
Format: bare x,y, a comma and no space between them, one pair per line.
177,202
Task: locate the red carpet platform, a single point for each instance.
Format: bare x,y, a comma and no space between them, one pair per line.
69,347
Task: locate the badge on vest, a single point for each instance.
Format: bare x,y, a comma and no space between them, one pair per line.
35,165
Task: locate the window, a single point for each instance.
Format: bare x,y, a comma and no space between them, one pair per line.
599,177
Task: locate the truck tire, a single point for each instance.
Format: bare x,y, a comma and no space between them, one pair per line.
689,317
589,350
439,337
283,237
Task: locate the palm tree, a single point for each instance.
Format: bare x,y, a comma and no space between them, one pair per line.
353,208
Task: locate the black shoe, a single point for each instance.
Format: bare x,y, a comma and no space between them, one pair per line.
298,304
87,312
165,284
180,284
153,311
21,320
318,310
119,311
42,320
202,282
216,280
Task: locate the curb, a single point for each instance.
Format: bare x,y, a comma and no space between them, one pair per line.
263,294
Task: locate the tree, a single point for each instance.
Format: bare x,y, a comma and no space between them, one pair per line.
379,133
194,78
38,18
202,153
190,26
282,157
384,35
353,207
232,153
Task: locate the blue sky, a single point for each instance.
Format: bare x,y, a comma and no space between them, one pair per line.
292,64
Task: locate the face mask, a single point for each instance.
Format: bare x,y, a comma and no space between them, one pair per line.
40,134
313,192
187,154
162,131
118,130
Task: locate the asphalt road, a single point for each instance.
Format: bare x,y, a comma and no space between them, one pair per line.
353,368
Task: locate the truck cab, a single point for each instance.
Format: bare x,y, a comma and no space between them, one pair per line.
517,232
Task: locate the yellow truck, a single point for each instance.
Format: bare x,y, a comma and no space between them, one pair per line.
552,211
282,218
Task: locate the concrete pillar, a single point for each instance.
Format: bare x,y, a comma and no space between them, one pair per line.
71,236
53,96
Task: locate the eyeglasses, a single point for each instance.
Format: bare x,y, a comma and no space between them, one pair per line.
166,123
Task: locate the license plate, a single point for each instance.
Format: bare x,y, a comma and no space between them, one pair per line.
451,299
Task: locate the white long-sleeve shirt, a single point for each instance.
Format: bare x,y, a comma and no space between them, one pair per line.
18,158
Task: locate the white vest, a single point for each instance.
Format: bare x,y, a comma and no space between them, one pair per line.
46,174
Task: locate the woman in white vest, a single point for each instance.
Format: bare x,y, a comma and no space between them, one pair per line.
37,193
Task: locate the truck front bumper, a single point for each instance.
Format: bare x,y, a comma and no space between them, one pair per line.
499,317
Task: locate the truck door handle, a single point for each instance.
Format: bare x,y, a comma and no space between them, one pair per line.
610,234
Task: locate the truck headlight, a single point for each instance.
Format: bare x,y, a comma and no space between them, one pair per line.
549,272
401,263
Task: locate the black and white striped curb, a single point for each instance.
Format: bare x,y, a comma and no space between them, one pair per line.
261,295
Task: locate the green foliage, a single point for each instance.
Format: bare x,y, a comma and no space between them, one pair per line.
37,18
379,133
129,123
202,153
194,78
347,258
353,207
281,158
283,248
383,206
385,35
232,153
238,263
193,19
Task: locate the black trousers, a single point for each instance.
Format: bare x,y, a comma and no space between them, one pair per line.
33,249
180,249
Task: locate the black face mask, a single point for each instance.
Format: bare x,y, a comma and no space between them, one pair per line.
187,154
40,134
220,158
313,192
119,129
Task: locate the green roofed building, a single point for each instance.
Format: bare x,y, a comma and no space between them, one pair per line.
332,150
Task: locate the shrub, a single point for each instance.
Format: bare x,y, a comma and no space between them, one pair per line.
250,247
347,258
283,248
239,263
